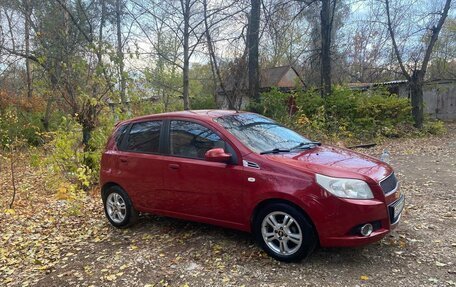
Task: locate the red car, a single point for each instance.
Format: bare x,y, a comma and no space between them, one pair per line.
244,171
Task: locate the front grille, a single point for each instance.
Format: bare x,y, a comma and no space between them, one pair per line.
389,184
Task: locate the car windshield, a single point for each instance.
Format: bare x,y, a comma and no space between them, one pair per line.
262,135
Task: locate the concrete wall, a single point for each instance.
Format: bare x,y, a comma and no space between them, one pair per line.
439,98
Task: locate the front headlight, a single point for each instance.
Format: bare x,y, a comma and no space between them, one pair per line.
345,187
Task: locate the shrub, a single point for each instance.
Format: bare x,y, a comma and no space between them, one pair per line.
67,157
344,114
15,123
435,127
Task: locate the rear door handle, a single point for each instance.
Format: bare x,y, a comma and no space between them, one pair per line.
173,166
123,160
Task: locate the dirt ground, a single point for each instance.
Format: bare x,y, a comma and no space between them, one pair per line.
46,245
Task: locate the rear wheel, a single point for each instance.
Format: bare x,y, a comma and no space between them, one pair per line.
118,207
284,232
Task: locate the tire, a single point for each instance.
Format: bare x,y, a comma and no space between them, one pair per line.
292,240
118,207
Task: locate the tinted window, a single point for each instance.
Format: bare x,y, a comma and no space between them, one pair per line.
260,133
120,134
193,140
144,137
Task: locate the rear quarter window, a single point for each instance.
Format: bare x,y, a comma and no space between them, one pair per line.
119,134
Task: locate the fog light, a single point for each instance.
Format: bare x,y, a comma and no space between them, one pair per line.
366,229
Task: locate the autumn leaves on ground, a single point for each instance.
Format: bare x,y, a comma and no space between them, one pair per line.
48,239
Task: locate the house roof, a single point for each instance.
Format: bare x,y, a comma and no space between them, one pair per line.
274,77
270,77
363,86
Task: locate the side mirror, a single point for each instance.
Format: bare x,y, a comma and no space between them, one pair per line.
217,155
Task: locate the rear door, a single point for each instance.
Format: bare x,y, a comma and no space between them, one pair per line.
141,163
196,187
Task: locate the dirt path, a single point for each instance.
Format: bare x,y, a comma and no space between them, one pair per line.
166,252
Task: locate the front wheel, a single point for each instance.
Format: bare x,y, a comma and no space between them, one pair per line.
118,208
284,232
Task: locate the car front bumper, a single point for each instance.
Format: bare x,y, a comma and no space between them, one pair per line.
341,227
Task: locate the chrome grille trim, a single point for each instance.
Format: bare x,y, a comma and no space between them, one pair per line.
250,164
389,184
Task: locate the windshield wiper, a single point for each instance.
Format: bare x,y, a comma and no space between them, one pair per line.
306,145
276,150
303,145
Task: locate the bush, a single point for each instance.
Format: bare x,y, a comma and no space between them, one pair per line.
344,114
67,157
434,127
15,123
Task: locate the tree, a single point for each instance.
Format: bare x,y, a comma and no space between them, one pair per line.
325,30
253,44
416,75
443,64
27,4
364,48
120,54
324,21
65,48
284,39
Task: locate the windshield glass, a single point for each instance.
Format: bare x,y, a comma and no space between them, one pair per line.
261,134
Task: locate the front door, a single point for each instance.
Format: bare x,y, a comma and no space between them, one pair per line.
197,187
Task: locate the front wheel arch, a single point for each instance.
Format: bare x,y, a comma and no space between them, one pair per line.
298,231
269,201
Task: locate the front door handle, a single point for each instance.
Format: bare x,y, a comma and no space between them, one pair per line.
123,160
173,166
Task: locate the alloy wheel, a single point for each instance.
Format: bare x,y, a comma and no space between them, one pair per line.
281,233
116,207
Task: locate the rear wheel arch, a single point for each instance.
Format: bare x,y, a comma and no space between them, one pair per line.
118,206
106,187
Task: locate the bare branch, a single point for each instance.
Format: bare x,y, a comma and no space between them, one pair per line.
393,39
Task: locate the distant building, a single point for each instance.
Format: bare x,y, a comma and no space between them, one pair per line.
439,96
285,78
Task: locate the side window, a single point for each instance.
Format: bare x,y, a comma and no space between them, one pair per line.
144,137
120,134
193,140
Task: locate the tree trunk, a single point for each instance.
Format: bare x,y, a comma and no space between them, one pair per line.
186,13
253,43
120,56
87,130
325,55
86,135
47,114
13,179
416,95
28,11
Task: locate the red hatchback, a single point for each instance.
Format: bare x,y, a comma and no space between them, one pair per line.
244,171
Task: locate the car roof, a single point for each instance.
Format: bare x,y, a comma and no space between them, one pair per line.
192,114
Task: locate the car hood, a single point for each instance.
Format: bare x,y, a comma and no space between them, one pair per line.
334,161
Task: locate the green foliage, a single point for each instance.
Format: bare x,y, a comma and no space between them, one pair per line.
273,104
67,157
201,87
19,125
434,127
345,114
